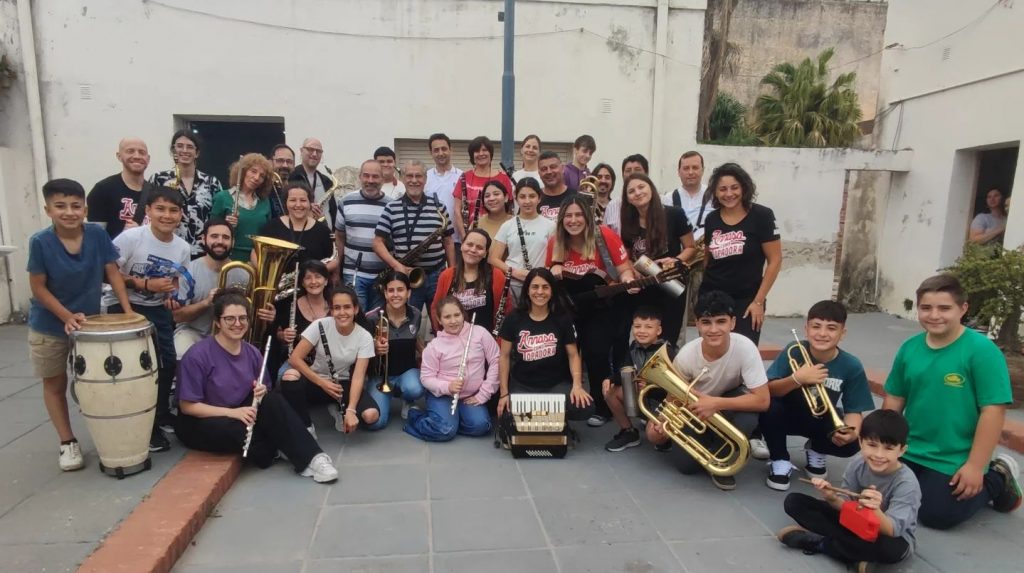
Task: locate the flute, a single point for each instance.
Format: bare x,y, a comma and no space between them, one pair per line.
462,365
256,401
295,302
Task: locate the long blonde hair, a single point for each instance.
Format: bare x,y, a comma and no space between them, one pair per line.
562,236
244,164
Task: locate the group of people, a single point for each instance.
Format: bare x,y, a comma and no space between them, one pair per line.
513,271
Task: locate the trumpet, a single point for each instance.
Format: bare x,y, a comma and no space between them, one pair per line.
815,395
715,443
383,331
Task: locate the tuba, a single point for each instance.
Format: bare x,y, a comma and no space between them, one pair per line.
271,256
815,395
728,449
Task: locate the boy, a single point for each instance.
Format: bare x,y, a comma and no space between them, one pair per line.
582,150
646,341
734,385
836,372
67,263
887,487
953,386
152,261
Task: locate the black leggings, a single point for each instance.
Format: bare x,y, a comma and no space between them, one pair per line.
302,393
817,515
597,332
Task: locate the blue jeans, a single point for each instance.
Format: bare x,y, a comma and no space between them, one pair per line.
425,294
437,424
407,382
369,297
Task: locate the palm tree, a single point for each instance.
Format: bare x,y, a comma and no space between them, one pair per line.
801,109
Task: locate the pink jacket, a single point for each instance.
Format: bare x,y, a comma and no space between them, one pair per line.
441,359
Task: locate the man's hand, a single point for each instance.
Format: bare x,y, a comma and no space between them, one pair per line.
967,481
705,406
842,438
161,284
267,313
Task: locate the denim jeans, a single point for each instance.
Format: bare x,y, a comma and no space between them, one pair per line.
407,382
425,294
438,424
940,509
369,297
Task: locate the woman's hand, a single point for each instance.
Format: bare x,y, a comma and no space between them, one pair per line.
380,346
503,404
556,270
288,335
520,274
245,414
333,389
755,311
232,220
668,262
351,421
580,397
473,400
258,390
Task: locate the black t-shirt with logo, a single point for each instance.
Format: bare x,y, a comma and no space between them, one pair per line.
539,358
676,225
736,262
550,205
481,303
112,203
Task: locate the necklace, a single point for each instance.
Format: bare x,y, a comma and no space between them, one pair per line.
314,313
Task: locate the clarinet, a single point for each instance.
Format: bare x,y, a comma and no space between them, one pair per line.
477,207
462,365
330,366
522,244
465,201
499,319
256,401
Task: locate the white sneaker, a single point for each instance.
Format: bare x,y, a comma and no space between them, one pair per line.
312,431
321,469
71,457
339,418
758,449
596,421
406,406
816,464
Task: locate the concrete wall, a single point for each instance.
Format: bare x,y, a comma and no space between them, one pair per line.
945,98
769,32
804,187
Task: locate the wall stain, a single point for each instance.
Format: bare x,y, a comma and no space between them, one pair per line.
808,253
618,43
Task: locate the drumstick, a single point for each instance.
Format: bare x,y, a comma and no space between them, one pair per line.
262,369
839,490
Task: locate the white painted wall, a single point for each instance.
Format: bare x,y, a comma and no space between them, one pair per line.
946,98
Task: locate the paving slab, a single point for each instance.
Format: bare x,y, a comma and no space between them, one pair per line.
475,525
534,561
380,530
646,557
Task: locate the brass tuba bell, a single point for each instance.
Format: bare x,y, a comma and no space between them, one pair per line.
726,454
271,256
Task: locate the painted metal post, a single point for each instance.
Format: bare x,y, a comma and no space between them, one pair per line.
508,86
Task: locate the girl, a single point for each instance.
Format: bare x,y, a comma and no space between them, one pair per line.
441,361
521,241
538,347
744,252
664,235
217,380
298,225
338,372
314,283
477,285
246,206
403,346
530,152
496,206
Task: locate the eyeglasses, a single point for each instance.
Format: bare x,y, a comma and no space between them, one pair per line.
313,150
235,319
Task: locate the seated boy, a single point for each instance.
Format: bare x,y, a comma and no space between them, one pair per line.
734,384
833,370
887,487
953,386
647,340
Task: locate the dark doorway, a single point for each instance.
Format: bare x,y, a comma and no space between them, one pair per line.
995,171
225,139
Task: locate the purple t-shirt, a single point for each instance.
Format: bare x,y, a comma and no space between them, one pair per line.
212,375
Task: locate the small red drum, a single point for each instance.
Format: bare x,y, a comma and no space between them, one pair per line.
114,370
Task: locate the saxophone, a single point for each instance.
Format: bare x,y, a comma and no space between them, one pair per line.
416,276
322,204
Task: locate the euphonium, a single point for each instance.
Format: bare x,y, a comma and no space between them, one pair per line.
815,395
727,454
271,255
383,331
588,187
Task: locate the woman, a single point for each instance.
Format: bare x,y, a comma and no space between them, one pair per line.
744,253
539,352
310,305
298,225
403,346
338,374
987,228
662,234
246,206
442,362
471,183
477,285
497,207
217,380
521,242
530,152
574,252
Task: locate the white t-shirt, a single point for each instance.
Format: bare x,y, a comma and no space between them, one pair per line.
393,190
691,206
611,214
207,279
536,232
519,175
144,256
440,186
740,366
345,350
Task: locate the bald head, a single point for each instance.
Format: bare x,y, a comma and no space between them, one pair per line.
133,155
312,151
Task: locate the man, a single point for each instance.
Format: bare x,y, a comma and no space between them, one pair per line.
727,376
690,197
114,201
355,225
582,150
442,177
312,151
406,223
635,163
555,189
197,188
391,186
194,318
283,158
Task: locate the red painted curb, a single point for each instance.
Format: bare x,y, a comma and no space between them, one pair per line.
159,529
769,351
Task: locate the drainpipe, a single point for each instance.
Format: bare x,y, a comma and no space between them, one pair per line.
35,109
658,97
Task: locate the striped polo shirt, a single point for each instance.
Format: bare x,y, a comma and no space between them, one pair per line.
404,225
358,216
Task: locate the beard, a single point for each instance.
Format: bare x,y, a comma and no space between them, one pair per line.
221,256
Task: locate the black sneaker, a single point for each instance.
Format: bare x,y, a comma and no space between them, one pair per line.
797,537
158,442
1009,499
166,422
724,483
626,438
778,475
663,447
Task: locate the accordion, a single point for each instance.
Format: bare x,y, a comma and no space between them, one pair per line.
534,426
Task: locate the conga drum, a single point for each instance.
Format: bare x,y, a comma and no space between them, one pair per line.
114,370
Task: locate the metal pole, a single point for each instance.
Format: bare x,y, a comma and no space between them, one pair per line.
508,86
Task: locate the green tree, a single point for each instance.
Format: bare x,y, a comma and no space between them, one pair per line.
994,282
728,122
802,109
